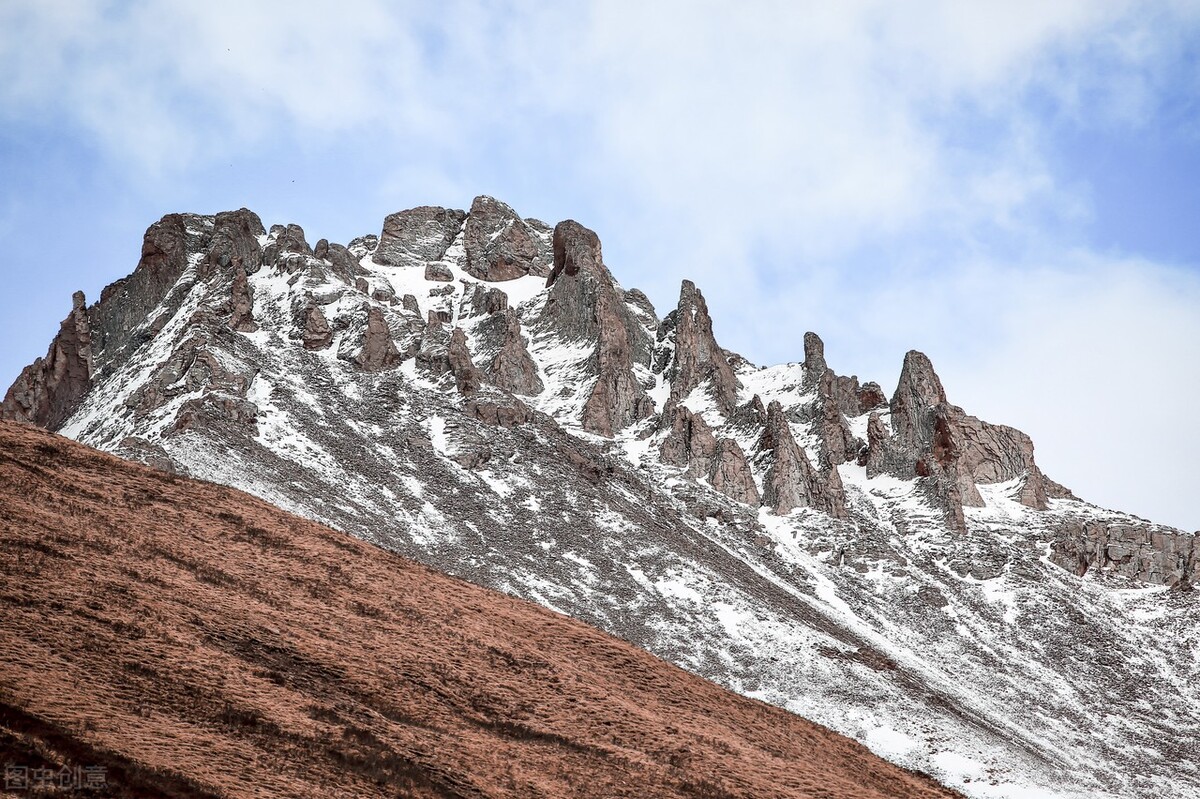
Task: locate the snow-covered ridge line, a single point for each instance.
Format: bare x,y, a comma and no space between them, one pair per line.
475,390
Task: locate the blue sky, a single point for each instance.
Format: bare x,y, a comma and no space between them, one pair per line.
1011,187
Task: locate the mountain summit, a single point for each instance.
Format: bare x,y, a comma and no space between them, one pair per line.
476,390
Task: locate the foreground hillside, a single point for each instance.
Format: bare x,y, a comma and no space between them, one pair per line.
195,641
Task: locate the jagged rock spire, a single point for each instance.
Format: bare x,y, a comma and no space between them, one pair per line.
951,451
50,389
378,350
584,303
698,357
791,482
235,240
499,245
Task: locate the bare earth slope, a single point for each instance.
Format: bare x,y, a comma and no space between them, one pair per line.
196,641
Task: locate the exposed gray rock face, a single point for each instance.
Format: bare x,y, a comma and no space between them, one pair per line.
194,369
618,399
499,245
1143,552
287,249
118,320
235,240
315,331
242,302
814,359
438,272
378,350
467,376
584,303
830,425
689,443
50,389
417,235
481,300
362,246
790,481
731,473
342,262
952,451
698,357
513,369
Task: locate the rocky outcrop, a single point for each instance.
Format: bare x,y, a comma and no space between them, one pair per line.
830,425
417,235
467,376
790,481
618,399
499,245
814,360
287,249
342,262
242,302
584,303
378,350
481,300
836,397
433,357
951,451
49,390
731,473
1142,552
689,443
512,368
699,360
507,413
119,320
438,272
235,241
314,327
870,397
194,369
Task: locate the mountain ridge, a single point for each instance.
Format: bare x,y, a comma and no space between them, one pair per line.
547,434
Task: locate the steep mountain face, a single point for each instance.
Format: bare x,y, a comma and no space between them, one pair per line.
192,641
477,391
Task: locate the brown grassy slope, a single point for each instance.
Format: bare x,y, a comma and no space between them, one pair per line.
198,642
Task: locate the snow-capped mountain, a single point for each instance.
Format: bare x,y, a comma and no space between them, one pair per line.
475,390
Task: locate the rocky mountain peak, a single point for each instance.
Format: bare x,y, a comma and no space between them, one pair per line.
814,358
919,389
698,360
49,390
500,246
477,390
